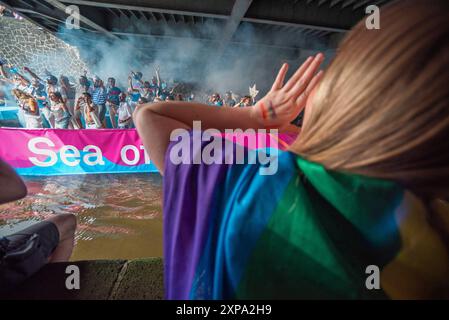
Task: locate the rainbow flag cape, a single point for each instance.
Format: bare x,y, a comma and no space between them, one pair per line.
301,233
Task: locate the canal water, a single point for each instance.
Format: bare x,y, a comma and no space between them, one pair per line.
119,215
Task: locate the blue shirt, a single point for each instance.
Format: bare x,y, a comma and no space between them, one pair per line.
39,92
99,95
113,94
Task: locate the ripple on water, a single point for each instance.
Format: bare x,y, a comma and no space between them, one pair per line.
119,215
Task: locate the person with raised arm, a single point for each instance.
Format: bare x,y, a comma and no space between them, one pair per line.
124,113
68,93
99,97
113,100
3,72
215,100
133,91
355,208
60,111
33,74
82,87
87,107
30,109
229,100
246,101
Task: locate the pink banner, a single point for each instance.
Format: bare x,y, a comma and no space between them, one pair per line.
61,152
57,151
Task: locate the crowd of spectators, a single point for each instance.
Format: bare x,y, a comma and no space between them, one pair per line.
46,101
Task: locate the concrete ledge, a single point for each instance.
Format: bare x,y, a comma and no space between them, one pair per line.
99,280
141,279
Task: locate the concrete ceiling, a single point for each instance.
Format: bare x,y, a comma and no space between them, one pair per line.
284,25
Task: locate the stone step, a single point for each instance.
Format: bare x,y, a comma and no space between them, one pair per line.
138,279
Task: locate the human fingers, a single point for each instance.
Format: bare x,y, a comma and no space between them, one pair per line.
299,87
298,74
302,99
278,83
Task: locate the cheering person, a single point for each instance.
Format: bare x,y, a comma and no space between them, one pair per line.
356,209
30,108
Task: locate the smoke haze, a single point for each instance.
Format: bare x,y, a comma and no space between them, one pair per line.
242,62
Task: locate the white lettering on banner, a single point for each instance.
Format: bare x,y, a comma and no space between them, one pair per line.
136,156
71,156
97,153
32,146
146,155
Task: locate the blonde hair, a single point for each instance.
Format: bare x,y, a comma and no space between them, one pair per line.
26,98
382,108
21,95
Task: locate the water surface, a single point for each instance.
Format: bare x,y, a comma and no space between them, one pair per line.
119,215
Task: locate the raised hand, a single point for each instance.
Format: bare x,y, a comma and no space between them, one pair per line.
283,103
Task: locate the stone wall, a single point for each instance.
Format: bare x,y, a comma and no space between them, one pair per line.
22,43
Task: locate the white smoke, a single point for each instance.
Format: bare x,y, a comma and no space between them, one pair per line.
243,62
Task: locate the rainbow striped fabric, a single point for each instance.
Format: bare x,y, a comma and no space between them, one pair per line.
302,233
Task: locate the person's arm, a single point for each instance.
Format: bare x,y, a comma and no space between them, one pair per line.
155,122
3,72
237,104
31,73
23,78
90,107
64,106
77,105
64,94
133,74
33,105
7,80
130,118
158,77
174,88
128,108
130,85
11,186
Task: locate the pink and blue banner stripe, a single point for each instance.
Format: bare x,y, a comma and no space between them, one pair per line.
63,152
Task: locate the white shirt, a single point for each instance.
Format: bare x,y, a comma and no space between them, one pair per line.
58,111
124,111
